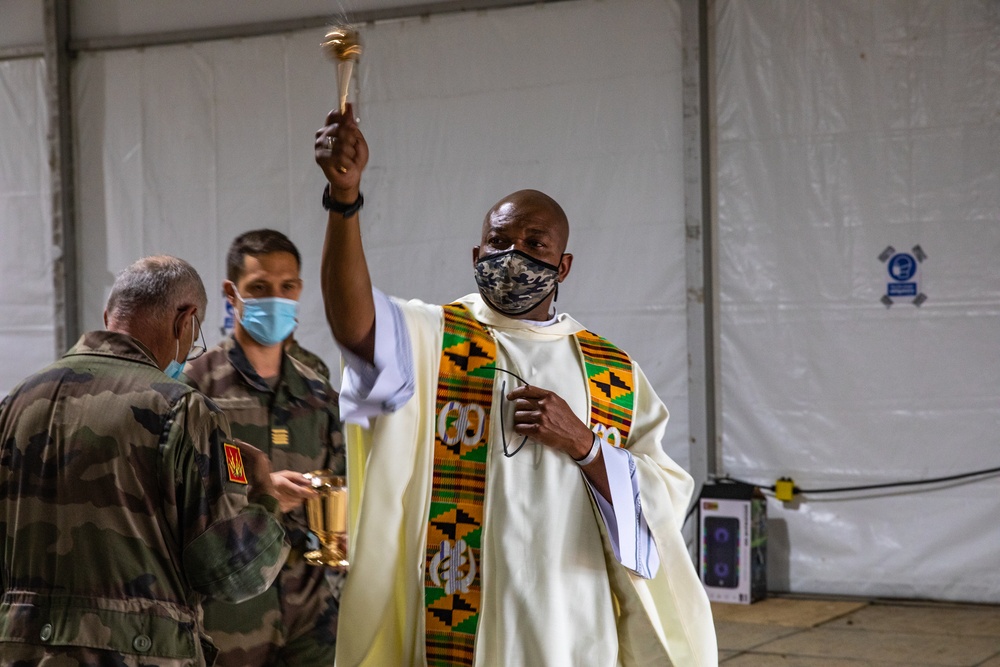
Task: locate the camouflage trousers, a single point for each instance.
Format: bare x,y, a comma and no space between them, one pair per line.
294,622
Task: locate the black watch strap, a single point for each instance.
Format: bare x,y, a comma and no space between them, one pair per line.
346,210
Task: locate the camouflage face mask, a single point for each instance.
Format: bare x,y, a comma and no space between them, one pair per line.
514,282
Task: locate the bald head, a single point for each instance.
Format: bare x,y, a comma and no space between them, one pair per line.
529,209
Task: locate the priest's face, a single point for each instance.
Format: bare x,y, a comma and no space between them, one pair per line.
528,221
531,223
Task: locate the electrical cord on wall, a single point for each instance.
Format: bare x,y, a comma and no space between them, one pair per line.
885,485
843,489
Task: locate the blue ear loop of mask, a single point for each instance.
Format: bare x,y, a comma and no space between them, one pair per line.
503,427
174,368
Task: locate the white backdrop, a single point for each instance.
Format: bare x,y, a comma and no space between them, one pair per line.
847,127
181,148
27,298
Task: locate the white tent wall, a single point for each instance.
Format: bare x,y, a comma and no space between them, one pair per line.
27,298
844,128
183,147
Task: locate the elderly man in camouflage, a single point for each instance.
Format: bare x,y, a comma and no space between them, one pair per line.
123,500
278,404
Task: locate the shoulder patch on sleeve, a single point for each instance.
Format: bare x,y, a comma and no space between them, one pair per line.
234,463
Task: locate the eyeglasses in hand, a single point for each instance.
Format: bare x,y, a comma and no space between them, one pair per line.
503,427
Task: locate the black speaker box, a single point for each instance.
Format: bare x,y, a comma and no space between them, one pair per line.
733,532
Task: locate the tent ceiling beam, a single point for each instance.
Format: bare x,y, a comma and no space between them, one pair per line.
292,25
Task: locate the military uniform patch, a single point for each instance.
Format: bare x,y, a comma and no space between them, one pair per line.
234,464
279,436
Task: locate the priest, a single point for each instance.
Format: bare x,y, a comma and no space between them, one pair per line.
514,505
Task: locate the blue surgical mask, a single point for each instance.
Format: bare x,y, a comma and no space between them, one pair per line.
269,320
173,369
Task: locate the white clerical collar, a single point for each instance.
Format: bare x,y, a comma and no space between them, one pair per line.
544,323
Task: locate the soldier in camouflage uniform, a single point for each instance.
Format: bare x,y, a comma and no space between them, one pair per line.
276,403
123,499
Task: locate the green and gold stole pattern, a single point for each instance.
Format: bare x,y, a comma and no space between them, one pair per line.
454,527
612,390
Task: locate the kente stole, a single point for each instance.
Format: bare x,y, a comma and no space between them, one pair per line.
454,526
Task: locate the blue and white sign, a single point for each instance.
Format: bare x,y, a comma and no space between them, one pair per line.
904,269
902,289
228,317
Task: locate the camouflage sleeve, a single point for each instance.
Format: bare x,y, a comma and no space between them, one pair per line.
232,546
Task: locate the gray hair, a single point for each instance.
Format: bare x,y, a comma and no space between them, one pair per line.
155,286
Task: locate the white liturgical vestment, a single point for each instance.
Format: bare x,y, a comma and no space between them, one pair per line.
555,589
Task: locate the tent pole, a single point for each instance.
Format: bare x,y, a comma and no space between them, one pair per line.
60,144
700,221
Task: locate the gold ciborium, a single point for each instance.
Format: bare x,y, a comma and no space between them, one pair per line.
326,513
343,45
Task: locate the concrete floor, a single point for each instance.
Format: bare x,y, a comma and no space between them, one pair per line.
809,632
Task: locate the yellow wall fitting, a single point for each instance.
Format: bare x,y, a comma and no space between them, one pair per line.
784,489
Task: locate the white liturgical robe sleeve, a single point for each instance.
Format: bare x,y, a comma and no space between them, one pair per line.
367,390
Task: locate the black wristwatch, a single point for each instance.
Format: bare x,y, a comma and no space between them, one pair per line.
346,210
